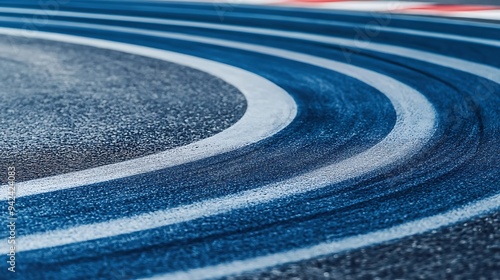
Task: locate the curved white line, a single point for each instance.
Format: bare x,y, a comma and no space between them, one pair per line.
478,69
415,18
406,31
350,243
415,124
269,110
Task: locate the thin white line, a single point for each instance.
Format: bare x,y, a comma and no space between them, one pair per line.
269,110
397,7
393,7
369,6
458,21
478,69
485,14
489,42
350,243
415,124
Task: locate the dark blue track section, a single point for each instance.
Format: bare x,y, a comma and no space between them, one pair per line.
338,116
362,26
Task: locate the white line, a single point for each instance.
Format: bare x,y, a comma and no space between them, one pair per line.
350,243
321,249
395,7
406,31
478,69
415,124
269,109
458,21
486,14
368,6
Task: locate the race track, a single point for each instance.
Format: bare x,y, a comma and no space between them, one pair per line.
194,141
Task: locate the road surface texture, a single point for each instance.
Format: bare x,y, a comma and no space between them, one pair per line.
173,140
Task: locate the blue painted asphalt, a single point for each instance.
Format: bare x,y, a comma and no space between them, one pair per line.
338,117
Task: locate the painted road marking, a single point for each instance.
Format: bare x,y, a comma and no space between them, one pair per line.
415,124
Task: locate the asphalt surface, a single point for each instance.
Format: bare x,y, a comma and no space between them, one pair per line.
456,252
72,107
395,141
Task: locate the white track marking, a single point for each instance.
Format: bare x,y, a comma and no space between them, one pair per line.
406,229
228,27
367,6
478,69
455,21
487,14
269,110
350,243
415,124
397,7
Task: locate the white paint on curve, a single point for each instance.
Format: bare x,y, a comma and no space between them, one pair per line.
269,110
367,6
474,68
487,14
349,243
415,125
406,229
395,7
377,26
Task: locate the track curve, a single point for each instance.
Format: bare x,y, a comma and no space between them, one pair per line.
393,135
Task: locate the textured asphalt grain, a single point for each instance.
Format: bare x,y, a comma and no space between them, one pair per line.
338,116
467,250
74,107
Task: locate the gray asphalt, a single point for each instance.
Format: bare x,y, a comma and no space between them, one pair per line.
457,166
456,252
74,107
